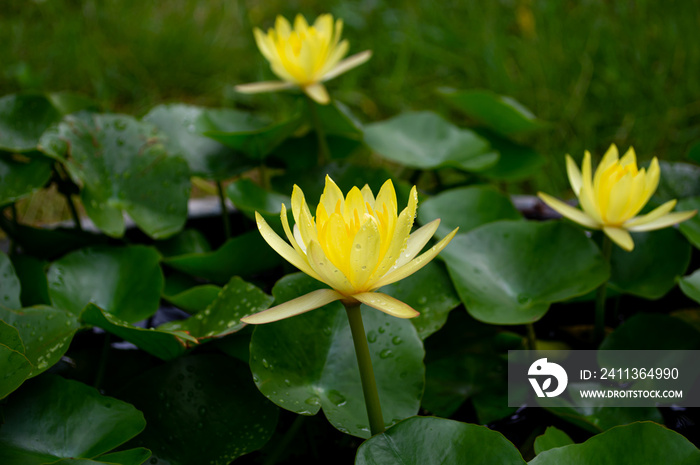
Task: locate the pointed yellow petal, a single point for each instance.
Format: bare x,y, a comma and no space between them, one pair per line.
618,200
415,264
297,201
325,268
331,196
652,180
354,201
265,86
305,303
300,23
630,158
620,237
586,195
318,93
416,242
574,175
609,159
387,197
574,214
282,27
367,195
656,213
348,64
364,253
282,248
290,237
664,221
387,304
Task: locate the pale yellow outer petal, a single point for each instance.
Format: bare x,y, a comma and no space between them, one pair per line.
630,158
656,213
367,195
305,303
620,237
574,175
290,236
364,253
618,200
574,214
282,248
664,221
652,180
415,264
386,304
331,196
416,242
587,195
318,93
264,86
348,63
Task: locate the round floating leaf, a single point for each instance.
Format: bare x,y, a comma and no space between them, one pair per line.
337,120
201,409
48,244
515,162
436,441
501,113
552,438
23,118
678,181
637,443
690,285
52,418
9,284
194,299
509,272
308,362
14,366
124,281
21,176
652,268
127,457
46,333
70,102
206,157
257,143
187,241
236,300
691,228
467,208
244,255
425,140
429,292
249,198
649,331
597,419
122,166
32,276
158,342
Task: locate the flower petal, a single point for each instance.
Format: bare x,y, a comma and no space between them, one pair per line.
415,264
305,303
325,268
574,175
348,64
620,237
574,214
282,248
364,253
416,242
318,93
386,304
664,221
586,196
658,212
265,86
290,237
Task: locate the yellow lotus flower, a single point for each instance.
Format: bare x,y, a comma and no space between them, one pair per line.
355,245
305,56
612,197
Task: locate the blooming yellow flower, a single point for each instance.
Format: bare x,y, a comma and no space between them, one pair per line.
305,56
612,197
355,245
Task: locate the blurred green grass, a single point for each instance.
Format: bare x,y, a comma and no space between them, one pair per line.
600,71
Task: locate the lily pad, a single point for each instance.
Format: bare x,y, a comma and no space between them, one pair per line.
690,228
515,161
201,409
23,118
136,456
552,437
124,281
206,157
22,176
430,292
637,443
509,272
71,102
467,208
49,244
307,363
424,140
184,242
338,120
236,300
257,143
161,343
9,284
46,333
249,198
678,181
503,114
52,418
32,276
659,258
437,441
14,366
245,255
690,285
650,331
122,167
194,299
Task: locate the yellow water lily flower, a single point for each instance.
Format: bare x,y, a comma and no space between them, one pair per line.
355,244
611,199
305,56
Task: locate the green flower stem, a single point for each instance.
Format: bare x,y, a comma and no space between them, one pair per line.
224,210
599,330
73,212
369,384
324,153
531,336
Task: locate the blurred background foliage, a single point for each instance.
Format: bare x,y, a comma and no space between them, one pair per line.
599,71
